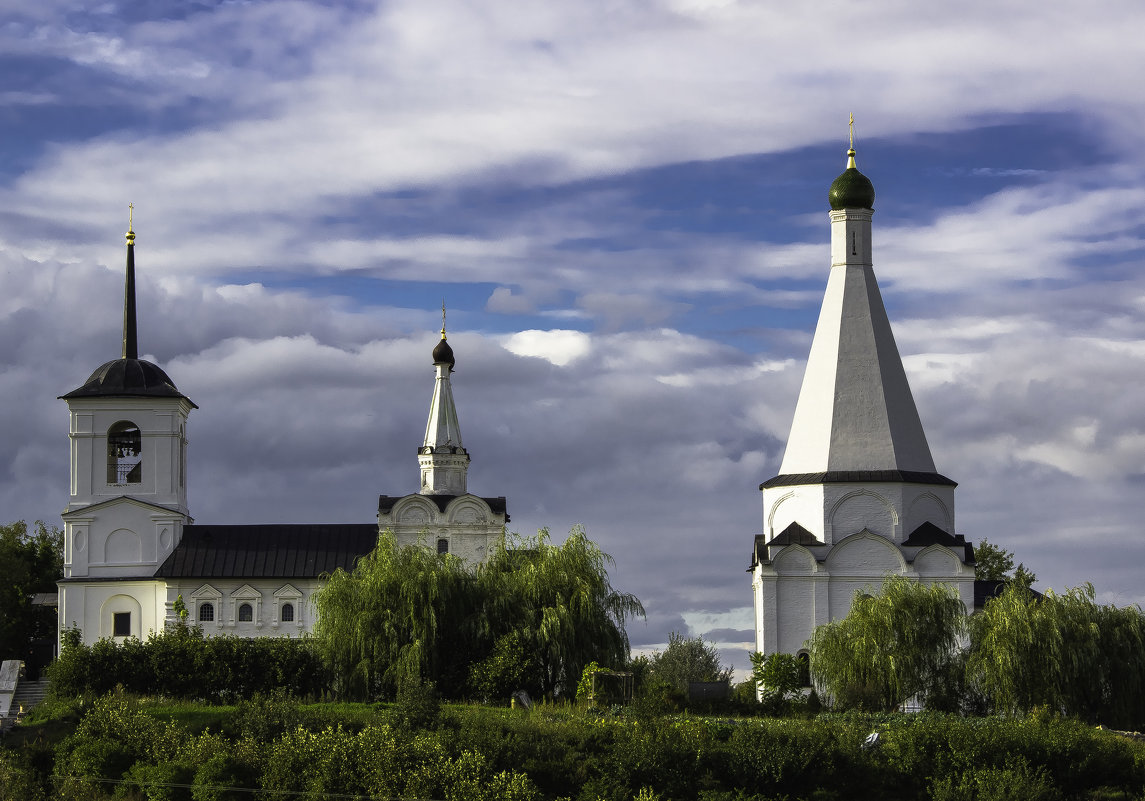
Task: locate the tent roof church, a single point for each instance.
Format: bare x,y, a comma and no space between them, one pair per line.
857,496
132,548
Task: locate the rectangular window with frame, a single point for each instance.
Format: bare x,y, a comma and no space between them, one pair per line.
121,624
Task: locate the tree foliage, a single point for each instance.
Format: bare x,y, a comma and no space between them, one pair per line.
899,644
992,563
1065,653
688,659
29,563
534,613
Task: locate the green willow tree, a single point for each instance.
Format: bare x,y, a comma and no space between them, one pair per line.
1065,653
558,603
533,615
900,644
385,621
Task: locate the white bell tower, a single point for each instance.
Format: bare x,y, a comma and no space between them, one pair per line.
127,500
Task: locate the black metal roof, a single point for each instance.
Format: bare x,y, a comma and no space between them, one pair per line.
857,476
496,505
128,378
794,534
930,534
268,550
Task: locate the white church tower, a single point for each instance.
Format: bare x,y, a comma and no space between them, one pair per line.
442,514
857,497
127,503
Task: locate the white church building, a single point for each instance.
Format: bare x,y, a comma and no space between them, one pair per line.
857,497
131,547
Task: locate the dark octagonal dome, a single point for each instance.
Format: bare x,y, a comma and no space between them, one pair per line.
443,354
127,377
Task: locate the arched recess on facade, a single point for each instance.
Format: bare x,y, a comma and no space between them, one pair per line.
121,616
467,510
775,508
124,454
861,503
865,554
794,560
937,561
122,546
928,507
414,510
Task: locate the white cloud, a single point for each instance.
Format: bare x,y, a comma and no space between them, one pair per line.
558,346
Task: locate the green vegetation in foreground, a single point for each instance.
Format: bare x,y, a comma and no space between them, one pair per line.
187,751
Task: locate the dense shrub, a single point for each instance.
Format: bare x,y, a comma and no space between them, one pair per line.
181,663
277,746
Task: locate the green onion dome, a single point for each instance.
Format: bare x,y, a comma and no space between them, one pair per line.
852,189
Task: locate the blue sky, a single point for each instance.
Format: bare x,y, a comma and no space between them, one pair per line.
623,205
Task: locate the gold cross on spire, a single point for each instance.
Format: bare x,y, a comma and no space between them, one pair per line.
130,223
443,318
851,127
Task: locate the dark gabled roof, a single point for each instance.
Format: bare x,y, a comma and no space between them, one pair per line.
794,534
858,476
930,534
496,505
268,550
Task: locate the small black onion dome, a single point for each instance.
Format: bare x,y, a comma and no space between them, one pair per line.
128,377
443,354
852,189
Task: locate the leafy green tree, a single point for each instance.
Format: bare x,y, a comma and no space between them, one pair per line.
29,563
385,620
778,675
992,563
534,612
559,602
1064,652
688,659
891,647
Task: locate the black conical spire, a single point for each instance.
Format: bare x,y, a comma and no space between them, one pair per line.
130,340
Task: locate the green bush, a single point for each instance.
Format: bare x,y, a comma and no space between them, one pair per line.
180,662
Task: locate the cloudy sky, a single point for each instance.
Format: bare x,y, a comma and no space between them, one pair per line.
623,204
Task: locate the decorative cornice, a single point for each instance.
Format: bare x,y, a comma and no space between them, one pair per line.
858,477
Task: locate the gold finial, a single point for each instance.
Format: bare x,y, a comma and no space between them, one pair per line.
851,150
443,318
131,223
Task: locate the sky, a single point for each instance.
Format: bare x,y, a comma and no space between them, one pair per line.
623,205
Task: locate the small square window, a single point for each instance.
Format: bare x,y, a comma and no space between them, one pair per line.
206,613
121,624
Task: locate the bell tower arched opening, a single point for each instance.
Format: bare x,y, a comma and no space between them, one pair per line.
124,454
